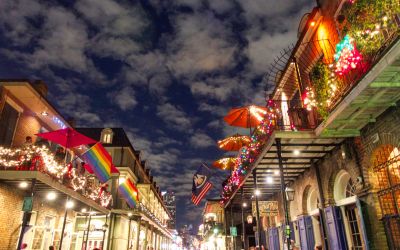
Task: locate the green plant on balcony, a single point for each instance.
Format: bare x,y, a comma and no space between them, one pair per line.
319,77
365,20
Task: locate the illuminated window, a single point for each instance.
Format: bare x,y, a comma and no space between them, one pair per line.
386,166
107,136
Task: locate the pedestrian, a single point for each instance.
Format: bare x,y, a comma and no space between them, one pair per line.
60,155
28,141
42,143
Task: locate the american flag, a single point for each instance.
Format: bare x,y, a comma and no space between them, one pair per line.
196,199
201,184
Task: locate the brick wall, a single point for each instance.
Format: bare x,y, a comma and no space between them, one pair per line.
10,216
386,128
11,200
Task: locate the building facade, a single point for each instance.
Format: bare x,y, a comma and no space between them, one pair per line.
213,229
170,203
54,204
327,171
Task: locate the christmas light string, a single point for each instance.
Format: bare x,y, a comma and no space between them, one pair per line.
248,154
34,158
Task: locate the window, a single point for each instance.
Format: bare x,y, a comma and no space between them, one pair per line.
8,123
350,189
107,136
386,166
354,228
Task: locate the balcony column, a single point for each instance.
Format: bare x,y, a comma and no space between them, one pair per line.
156,239
243,225
321,206
138,220
257,209
283,186
27,215
145,235
152,236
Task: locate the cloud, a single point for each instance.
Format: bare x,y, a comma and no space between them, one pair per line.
202,44
174,117
218,110
14,20
201,140
125,98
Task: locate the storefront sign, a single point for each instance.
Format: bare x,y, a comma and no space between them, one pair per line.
267,208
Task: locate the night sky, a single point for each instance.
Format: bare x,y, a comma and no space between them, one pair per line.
167,71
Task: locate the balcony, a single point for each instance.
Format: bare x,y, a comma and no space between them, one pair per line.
342,74
39,163
340,64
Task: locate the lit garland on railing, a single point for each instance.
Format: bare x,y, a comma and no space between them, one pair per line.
347,56
144,209
247,155
33,158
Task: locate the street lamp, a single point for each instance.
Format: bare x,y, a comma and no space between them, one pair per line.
104,229
289,194
289,197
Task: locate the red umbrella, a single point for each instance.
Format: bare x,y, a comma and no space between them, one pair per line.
67,137
246,117
234,142
225,163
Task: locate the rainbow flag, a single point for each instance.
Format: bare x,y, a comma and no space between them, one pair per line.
129,192
100,161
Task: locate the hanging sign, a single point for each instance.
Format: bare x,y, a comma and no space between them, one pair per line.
267,208
28,204
233,231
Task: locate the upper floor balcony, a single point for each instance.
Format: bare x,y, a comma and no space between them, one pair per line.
20,165
343,71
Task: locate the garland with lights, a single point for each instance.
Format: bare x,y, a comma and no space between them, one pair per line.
34,158
370,23
347,56
248,154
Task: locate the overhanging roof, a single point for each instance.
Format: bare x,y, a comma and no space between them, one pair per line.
310,148
37,103
44,184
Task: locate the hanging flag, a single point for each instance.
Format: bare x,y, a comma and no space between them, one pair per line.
100,162
201,184
129,192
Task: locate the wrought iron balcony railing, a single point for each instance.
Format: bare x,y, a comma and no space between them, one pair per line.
41,159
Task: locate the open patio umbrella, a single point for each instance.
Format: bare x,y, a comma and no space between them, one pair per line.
67,137
234,142
227,163
246,117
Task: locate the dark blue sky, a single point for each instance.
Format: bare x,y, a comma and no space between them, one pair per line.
165,70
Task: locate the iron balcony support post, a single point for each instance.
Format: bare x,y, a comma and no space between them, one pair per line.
26,216
257,208
243,225
321,206
284,200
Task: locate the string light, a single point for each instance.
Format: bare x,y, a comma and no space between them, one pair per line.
247,155
34,158
347,56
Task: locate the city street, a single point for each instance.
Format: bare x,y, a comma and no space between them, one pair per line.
199,125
